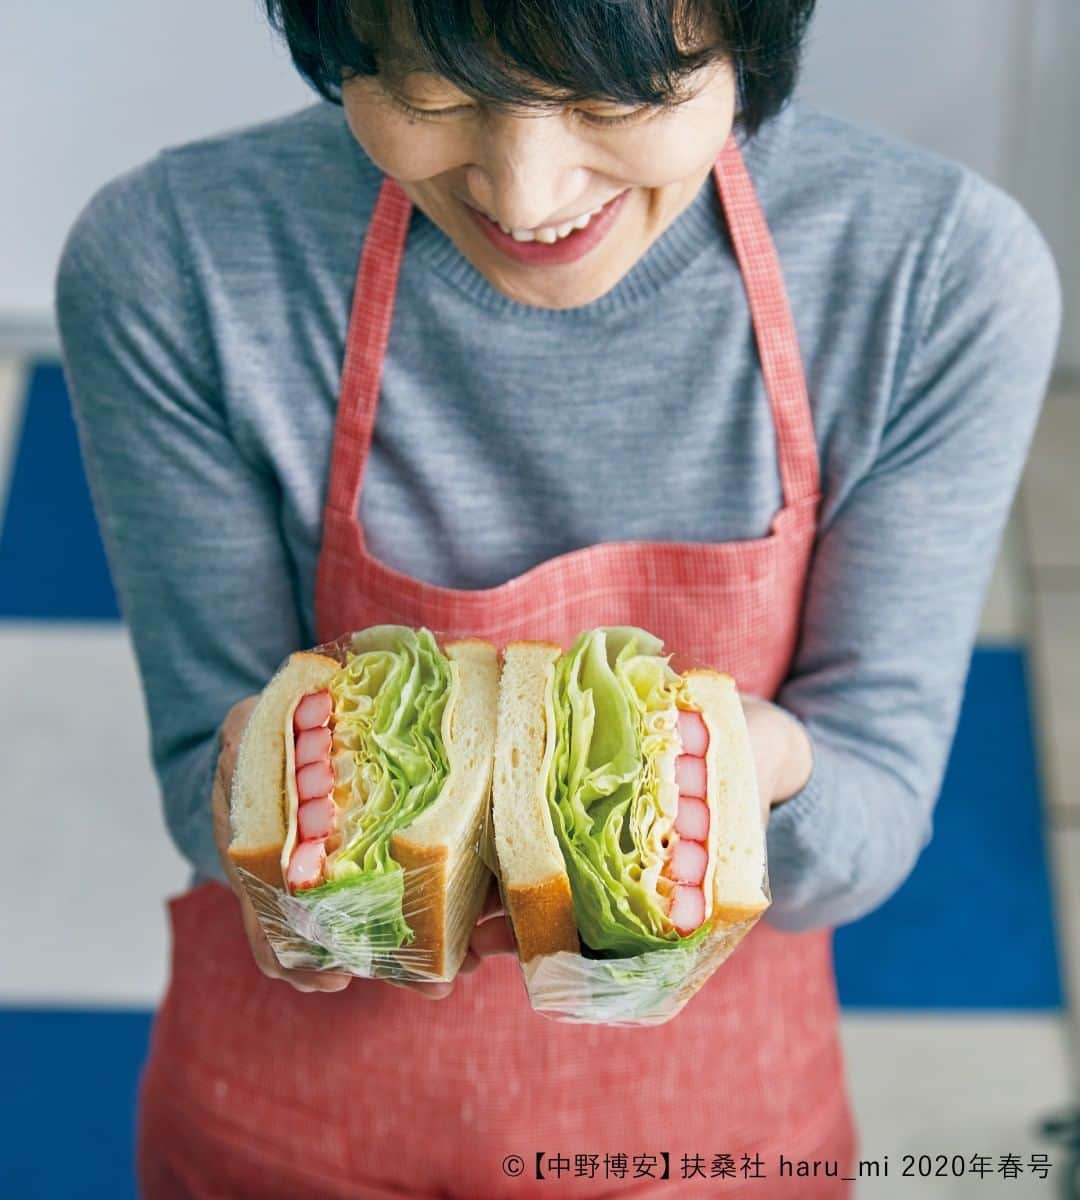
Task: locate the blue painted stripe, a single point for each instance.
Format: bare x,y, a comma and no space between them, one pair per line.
972,928
67,1107
52,563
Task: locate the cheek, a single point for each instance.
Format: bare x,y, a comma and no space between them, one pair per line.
408,151
656,162
678,148
690,139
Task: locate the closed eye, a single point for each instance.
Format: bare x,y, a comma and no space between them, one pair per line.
430,114
600,120
614,121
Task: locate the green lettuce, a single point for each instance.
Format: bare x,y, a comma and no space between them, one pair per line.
389,700
612,699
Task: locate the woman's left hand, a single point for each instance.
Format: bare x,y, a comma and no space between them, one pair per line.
783,756
783,760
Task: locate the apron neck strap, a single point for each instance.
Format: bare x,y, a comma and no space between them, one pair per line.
774,331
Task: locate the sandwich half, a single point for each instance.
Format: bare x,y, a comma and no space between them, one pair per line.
625,803
360,794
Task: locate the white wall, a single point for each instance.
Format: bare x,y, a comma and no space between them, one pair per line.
87,90
1047,149
993,83
939,72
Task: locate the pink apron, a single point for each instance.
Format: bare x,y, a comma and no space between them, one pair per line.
255,1089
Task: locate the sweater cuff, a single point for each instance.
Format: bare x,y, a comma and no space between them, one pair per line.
793,837
189,811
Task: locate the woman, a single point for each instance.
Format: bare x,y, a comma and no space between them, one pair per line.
563,317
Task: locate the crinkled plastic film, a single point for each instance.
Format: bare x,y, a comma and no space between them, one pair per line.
354,926
645,989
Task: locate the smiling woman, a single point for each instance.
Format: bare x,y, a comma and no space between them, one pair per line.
549,315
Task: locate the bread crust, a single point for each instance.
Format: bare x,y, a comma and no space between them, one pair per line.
533,645
424,901
264,864
543,917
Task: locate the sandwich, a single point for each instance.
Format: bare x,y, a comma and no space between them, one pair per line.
359,797
626,818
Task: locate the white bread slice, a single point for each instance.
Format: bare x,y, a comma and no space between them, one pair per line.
258,797
736,834
445,879
531,864
536,887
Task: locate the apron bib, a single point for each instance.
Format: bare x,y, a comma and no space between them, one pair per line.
254,1089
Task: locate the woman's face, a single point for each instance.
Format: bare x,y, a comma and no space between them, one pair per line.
539,171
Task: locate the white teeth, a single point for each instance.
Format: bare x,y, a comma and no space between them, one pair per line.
550,233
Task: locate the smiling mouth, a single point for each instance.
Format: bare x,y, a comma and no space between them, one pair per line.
548,234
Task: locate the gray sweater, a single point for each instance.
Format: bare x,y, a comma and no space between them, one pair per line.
202,301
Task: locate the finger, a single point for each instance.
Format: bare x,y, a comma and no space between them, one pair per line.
430,991
492,937
267,961
317,981
304,980
469,963
493,905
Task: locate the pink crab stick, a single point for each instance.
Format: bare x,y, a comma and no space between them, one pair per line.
313,711
690,776
317,819
687,908
313,745
315,780
687,864
692,821
692,731
688,858
307,865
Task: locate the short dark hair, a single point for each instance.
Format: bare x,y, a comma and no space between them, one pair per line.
625,51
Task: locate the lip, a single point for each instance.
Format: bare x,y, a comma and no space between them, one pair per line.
566,250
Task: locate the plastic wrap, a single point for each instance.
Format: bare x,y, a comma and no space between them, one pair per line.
651,987
411,713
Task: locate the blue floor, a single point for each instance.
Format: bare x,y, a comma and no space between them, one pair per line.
48,505
67,1106
972,928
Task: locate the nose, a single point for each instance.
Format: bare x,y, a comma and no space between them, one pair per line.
527,169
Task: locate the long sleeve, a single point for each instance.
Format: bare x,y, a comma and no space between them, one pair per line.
900,574
190,525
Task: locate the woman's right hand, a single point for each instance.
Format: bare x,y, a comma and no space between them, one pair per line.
232,729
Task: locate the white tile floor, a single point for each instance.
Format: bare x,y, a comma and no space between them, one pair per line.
962,1084
95,930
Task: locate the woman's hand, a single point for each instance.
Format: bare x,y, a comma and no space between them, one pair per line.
783,756
491,934
783,760
232,729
